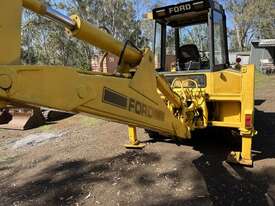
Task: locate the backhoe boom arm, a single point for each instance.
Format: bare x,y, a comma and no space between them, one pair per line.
136,95
107,96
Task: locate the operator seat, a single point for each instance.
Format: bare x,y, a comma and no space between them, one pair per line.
189,57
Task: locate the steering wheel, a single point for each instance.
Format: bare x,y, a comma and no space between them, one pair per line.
186,92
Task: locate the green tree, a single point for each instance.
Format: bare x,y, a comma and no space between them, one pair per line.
44,42
243,18
252,19
264,19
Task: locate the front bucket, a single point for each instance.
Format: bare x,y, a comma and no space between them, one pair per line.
24,118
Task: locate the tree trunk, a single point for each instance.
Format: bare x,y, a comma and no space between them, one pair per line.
239,38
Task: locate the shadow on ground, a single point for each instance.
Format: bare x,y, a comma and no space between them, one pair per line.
234,184
64,183
230,184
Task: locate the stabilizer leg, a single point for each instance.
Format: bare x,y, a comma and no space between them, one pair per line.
244,157
134,143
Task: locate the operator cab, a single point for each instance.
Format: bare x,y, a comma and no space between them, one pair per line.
190,37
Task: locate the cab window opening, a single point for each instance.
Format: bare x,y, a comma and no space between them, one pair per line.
219,41
186,47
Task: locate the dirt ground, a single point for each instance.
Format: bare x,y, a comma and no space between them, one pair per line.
82,161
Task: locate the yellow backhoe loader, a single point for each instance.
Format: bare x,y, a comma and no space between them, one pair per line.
196,90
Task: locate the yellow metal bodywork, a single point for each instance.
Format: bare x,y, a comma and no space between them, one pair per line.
90,33
83,92
10,21
231,93
144,99
35,6
134,142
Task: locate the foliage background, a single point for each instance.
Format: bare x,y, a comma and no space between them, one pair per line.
44,42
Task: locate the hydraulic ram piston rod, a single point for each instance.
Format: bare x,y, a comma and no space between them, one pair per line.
49,12
60,18
87,32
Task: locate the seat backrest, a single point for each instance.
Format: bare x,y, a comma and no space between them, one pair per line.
188,52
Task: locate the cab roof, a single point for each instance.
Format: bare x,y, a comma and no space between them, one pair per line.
186,13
